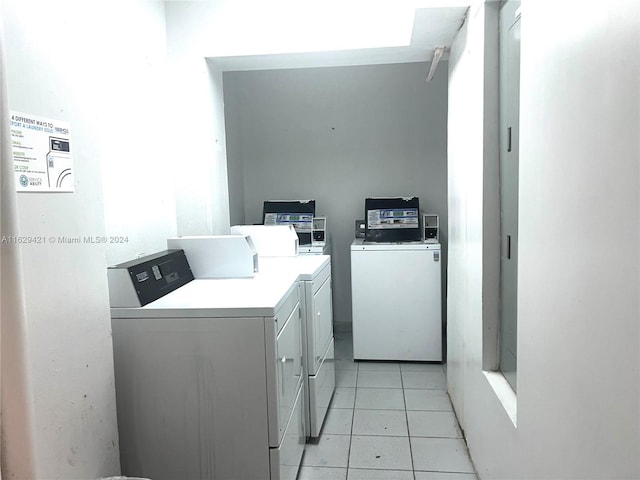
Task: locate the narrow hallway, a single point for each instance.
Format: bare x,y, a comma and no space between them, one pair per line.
387,420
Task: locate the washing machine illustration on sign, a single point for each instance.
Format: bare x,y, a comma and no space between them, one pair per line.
59,164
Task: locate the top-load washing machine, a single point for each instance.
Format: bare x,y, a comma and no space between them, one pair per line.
317,326
395,285
396,301
208,372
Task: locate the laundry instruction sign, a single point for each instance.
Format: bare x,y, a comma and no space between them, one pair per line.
42,154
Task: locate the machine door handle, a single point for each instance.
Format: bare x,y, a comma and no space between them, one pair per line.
283,360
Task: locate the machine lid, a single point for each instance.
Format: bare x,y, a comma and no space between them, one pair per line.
360,244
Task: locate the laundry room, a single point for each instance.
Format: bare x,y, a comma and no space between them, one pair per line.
337,135
184,117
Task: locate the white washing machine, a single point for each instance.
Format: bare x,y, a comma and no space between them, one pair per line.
317,325
209,377
396,302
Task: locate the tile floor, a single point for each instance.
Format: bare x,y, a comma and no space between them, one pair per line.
388,421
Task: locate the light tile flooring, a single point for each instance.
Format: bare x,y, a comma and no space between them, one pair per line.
387,420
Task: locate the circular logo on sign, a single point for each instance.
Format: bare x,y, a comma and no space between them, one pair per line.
24,181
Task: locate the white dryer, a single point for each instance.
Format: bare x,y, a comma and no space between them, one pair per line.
209,378
317,326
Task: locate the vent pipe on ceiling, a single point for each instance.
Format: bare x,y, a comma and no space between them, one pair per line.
437,55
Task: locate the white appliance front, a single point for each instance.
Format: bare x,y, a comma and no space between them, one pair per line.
203,378
322,385
288,368
396,302
319,315
316,299
285,459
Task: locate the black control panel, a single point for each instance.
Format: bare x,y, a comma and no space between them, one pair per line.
156,275
392,219
298,213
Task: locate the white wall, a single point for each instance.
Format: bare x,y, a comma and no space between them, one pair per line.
235,163
466,158
137,171
578,335
196,136
101,70
338,135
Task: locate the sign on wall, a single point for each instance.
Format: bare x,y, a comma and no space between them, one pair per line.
42,155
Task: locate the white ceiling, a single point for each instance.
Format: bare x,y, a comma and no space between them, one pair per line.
433,27
256,35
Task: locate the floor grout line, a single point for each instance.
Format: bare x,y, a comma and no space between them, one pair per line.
405,390
355,393
406,418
